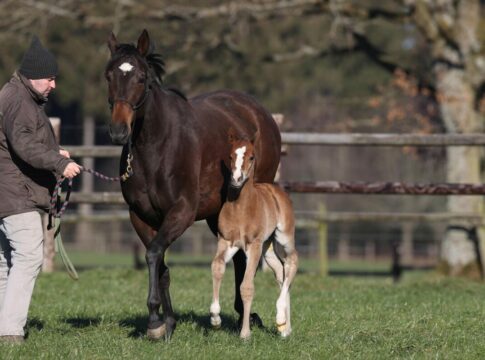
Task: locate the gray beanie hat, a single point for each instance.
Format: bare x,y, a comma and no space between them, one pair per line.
38,62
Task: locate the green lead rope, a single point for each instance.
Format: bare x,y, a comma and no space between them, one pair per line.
59,248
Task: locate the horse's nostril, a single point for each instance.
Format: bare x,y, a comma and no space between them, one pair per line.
119,134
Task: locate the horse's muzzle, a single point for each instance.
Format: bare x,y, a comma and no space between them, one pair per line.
119,133
239,183
121,119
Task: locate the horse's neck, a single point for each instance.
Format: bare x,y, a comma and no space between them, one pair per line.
246,195
147,124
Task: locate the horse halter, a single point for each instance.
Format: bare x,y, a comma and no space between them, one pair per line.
139,104
129,169
135,107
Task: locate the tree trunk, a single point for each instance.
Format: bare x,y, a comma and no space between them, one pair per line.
451,28
456,98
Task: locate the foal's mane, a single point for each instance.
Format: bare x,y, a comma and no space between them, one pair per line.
154,60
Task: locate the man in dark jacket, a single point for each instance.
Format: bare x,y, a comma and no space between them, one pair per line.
30,161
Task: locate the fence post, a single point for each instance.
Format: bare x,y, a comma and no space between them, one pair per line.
49,250
84,236
481,245
407,243
323,240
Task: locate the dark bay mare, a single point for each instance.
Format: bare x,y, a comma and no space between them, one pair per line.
177,150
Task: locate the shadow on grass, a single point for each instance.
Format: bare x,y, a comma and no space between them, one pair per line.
82,322
34,324
138,324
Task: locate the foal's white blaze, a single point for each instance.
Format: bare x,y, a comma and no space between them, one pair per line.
125,67
239,161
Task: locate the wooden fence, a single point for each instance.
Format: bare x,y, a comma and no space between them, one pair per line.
320,220
328,186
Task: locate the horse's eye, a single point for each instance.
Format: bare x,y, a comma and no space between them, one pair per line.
141,79
251,158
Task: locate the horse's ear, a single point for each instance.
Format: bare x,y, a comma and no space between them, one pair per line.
143,45
112,43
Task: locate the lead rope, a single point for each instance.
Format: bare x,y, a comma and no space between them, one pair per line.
56,210
55,213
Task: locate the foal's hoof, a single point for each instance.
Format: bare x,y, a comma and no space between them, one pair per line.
284,330
216,322
245,336
156,334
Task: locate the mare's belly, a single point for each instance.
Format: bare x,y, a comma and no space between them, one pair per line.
211,189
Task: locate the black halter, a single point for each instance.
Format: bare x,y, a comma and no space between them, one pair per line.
135,107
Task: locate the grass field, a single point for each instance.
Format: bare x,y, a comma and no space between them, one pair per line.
103,316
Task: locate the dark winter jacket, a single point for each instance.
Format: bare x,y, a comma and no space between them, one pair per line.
29,153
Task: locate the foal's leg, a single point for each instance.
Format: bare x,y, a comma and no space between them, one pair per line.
247,286
273,261
239,261
224,253
285,248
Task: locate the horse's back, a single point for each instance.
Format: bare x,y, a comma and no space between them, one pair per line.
226,110
280,203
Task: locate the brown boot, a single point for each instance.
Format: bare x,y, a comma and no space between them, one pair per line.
11,339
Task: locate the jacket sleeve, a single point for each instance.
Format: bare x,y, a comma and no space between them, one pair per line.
21,132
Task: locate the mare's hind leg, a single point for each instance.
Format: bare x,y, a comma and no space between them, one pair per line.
285,250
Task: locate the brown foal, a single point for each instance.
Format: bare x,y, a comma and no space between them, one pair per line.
258,218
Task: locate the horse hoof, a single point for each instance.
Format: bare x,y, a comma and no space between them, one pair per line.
245,336
281,327
156,334
216,322
284,330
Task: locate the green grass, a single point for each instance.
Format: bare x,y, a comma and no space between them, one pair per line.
84,259
103,316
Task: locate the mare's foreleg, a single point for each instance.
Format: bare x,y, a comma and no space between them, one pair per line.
247,286
179,218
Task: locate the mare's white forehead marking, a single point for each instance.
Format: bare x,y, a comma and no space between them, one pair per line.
125,67
239,161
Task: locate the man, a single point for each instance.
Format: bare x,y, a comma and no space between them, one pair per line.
30,161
